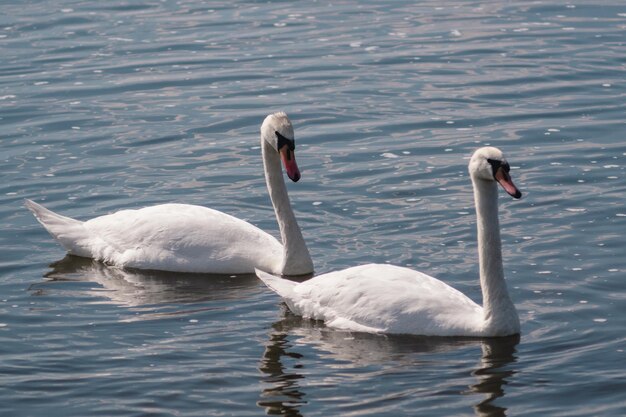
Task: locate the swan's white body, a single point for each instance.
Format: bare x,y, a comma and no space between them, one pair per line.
381,298
390,299
189,238
167,237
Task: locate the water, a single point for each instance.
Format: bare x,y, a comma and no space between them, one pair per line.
109,105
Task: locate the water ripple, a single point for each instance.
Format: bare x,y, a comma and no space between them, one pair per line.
114,105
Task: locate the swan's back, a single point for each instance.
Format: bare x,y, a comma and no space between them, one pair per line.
169,237
387,299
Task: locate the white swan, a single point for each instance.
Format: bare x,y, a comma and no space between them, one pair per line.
189,238
382,298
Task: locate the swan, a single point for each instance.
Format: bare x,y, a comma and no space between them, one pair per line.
190,238
382,298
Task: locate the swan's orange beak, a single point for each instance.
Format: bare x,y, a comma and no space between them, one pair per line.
504,179
289,161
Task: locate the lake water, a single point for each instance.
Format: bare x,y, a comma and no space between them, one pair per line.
116,104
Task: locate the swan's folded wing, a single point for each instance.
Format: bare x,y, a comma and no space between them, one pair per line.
390,299
180,237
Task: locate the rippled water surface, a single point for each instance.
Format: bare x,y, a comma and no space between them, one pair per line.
109,105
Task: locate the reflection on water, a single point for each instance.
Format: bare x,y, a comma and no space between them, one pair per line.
286,394
137,288
492,373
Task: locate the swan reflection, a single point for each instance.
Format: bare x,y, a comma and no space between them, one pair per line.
378,354
139,288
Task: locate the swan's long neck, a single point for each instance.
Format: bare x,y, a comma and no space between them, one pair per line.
499,310
296,259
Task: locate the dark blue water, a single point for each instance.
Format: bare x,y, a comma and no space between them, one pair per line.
110,105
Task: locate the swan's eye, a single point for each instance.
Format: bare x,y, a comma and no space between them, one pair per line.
282,141
496,164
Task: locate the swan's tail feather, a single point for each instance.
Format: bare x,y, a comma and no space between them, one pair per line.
280,286
70,233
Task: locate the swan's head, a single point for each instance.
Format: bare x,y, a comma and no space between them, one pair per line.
489,164
278,132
